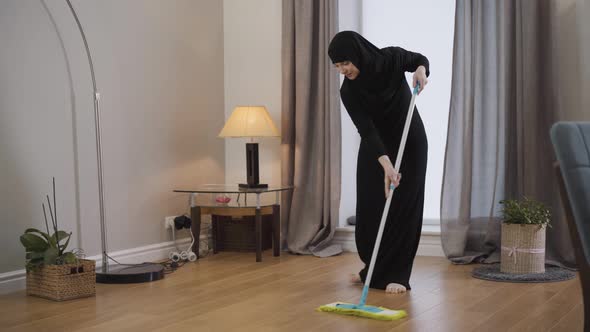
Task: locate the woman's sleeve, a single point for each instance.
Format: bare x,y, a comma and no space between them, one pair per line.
410,61
364,124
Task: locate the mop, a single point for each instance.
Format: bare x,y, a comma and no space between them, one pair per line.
361,309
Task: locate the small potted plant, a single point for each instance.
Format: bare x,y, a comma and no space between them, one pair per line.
52,271
524,227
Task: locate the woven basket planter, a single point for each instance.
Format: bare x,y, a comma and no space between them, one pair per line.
523,248
63,282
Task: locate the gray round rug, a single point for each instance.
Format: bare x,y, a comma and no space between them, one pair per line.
492,272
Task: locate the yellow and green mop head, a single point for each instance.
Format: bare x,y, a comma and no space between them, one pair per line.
363,310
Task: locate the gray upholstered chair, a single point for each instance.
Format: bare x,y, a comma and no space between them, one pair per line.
571,141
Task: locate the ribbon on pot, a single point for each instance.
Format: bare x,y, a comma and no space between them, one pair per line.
513,250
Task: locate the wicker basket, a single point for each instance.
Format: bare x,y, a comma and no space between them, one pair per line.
523,248
63,282
239,233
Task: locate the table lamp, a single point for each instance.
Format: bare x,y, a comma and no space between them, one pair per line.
250,121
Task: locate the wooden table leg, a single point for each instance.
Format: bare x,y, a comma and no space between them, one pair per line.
214,227
196,227
258,235
276,230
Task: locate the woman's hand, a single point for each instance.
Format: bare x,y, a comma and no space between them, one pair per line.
391,174
420,77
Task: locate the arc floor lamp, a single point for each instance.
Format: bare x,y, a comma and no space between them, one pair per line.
111,273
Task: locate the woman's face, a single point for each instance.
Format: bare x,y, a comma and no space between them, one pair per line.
347,69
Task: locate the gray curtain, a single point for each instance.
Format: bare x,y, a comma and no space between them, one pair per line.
310,128
502,106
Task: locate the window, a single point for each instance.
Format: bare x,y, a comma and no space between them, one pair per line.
424,26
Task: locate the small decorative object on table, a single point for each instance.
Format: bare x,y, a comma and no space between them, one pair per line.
523,236
53,272
223,199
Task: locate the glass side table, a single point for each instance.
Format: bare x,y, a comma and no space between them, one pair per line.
209,199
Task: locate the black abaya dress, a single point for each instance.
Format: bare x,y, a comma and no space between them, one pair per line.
379,110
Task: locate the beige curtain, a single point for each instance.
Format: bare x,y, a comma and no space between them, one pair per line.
503,103
310,128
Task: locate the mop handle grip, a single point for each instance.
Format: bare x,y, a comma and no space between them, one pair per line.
391,189
416,88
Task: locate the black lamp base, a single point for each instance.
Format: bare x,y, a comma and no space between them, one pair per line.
130,274
252,168
253,186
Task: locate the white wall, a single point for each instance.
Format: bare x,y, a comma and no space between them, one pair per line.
159,68
252,67
571,42
37,127
567,51
426,27
584,28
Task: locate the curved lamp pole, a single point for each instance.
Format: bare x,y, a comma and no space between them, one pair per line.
119,273
96,94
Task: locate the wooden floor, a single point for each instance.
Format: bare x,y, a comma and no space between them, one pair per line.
230,292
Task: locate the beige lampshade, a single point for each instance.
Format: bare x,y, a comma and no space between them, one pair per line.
249,121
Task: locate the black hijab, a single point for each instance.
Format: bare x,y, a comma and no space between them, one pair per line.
368,58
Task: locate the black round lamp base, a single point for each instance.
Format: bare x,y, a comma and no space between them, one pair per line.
253,186
130,274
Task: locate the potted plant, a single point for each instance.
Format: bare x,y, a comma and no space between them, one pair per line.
524,226
52,271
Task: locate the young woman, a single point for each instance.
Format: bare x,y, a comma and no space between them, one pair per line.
377,96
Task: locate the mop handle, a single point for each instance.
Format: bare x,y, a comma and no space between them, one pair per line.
398,161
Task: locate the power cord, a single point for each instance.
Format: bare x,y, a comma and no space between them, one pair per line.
178,258
169,265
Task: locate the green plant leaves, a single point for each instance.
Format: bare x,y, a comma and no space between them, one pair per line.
50,256
526,211
33,242
34,230
34,263
69,258
58,237
34,255
43,248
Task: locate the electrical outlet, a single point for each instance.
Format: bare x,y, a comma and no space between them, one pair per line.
169,222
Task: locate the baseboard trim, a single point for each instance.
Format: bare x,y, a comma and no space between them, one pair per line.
12,281
430,244
150,253
15,280
344,236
